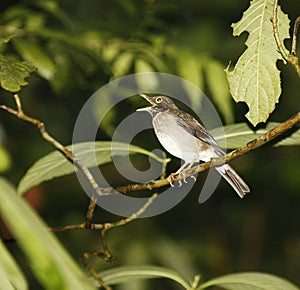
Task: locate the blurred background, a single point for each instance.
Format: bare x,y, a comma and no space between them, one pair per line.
80,46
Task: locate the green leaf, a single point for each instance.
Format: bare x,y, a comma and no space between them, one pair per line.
250,281
35,54
128,273
110,50
151,81
7,34
238,135
51,264
292,140
11,276
122,64
5,160
55,164
255,78
145,83
13,73
218,86
190,68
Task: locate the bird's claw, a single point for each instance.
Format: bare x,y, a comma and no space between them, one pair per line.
194,178
173,177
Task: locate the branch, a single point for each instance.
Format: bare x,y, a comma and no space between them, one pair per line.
107,254
67,153
295,32
93,272
254,144
290,58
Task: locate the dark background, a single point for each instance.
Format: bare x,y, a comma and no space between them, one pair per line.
223,235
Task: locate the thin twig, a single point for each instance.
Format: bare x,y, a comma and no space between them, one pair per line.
69,228
295,32
107,254
105,227
94,273
290,58
274,21
67,153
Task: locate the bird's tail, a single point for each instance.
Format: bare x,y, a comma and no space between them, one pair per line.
233,179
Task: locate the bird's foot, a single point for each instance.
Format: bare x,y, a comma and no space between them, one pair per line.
172,178
184,177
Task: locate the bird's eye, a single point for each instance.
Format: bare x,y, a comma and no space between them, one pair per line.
158,100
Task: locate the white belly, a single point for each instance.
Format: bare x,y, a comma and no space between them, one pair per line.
176,140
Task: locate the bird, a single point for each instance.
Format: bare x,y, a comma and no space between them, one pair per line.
184,137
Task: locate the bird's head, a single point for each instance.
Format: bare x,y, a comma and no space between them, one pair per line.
159,104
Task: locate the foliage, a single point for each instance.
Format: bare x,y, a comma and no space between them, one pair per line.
56,165
255,78
71,56
51,264
13,73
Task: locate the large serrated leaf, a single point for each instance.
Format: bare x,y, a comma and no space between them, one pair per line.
55,164
250,281
13,73
50,262
255,78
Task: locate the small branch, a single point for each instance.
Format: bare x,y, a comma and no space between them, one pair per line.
94,272
295,32
270,135
68,228
105,227
274,21
67,153
290,58
107,254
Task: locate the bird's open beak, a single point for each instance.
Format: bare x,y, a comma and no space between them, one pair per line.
149,100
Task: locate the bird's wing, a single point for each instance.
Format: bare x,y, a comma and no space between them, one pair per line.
192,126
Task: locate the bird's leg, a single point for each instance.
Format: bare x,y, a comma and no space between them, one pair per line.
182,171
182,168
172,177
186,170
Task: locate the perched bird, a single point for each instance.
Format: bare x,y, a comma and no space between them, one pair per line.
183,136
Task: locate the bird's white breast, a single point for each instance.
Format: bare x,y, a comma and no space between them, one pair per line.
176,140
